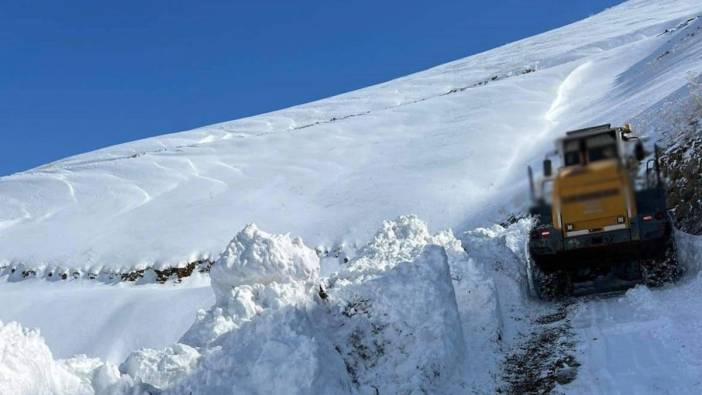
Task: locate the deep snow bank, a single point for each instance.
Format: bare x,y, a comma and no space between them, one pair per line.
389,321
257,273
28,367
412,312
399,330
260,336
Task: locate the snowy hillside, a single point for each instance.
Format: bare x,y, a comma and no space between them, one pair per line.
444,144
359,303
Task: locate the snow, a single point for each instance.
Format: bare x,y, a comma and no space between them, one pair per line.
410,317
257,273
27,365
414,311
364,303
270,330
258,257
101,320
370,329
449,144
161,367
646,340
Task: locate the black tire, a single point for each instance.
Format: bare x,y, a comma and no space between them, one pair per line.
630,271
550,285
663,269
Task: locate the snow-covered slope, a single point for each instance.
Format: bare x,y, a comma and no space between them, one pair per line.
430,306
104,320
449,144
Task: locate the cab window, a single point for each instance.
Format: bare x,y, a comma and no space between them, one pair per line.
572,158
601,147
572,153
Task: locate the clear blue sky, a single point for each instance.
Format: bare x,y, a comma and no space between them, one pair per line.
83,74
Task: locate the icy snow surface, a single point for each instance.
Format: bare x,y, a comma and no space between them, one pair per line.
392,306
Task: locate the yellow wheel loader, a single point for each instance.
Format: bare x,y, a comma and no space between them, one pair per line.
601,222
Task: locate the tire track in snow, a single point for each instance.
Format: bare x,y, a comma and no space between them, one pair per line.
545,358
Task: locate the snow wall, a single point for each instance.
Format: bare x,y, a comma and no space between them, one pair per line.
412,312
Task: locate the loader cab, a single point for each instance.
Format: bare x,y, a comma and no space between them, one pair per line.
592,190
593,183
587,146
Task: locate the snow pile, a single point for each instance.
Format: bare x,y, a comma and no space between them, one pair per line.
400,330
396,241
407,278
413,311
501,248
389,321
260,336
483,260
257,273
258,257
160,368
281,352
28,367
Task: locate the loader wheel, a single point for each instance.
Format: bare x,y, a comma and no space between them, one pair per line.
664,269
552,284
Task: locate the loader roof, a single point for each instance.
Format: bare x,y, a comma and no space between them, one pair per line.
588,131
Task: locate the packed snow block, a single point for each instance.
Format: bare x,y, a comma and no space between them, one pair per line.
245,303
499,254
280,352
401,240
161,368
400,332
256,257
260,336
501,250
28,367
397,241
257,272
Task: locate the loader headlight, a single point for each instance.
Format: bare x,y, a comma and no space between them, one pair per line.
569,227
620,220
